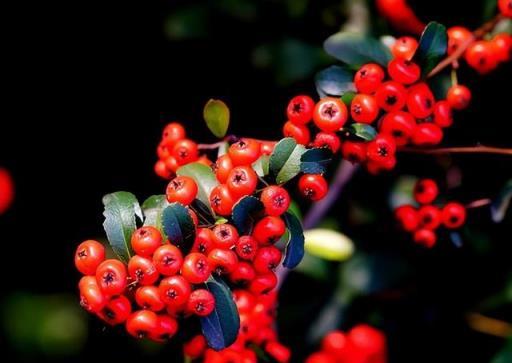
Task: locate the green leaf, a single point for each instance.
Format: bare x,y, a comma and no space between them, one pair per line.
295,247
245,213
221,327
261,165
357,49
362,131
402,192
216,115
204,178
179,226
347,98
153,208
328,244
440,84
334,81
285,160
203,212
315,161
501,203
432,47
120,211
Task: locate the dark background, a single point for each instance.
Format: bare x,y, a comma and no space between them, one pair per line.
79,121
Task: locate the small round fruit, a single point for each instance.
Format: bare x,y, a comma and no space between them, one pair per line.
368,78
269,230
404,71
172,133
222,200
148,297
111,277
453,215
420,101
364,108
328,140
168,259
313,186
425,191
425,237
185,151
408,217
89,254
400,125
391,96
222,168
166,328
330,114
224,236
246,247
267,259
175,290
404,47
459,97
300,109
427,134
481,56
117,310
142,270
222,262
275,199
505,7
354,151
242,181
430,217
146,240
201,303
142,323
300,133
196,268
457,36
244,152
443,114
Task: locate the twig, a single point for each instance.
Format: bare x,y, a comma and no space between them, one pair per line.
480,149
477,34
213,146
491,326
479,203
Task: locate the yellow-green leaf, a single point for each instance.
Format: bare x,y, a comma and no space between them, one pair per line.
216,115
328,244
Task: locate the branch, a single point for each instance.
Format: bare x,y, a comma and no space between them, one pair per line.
480,149
477,34
479,203
491,326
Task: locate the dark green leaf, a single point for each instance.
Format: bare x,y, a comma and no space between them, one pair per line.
261,165
362,131
501,203
315,161
179,226
440,84
204,178
334,81
285,160
203,212
153,208
432,47
347,98
357,49
120,211
221,327
244,213
295,248
216,115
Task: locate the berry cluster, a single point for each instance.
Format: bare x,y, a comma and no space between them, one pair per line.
402,108
423,221
257,328
362,344
6,190
482,55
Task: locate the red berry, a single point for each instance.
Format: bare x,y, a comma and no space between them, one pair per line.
92,298
300,109
242,181
425,191
117,310
457,36
246,247
89,254
505,7
142,270
175,290
368,78
400,125
458,97
327,139
182,189
404,71
404,47
263,284
244,152
195,347
172,133
354,151
427,134
204,241
148,297
408,217
391,96
276,200
185,151
267,147
313,186
376,167
364,108
196,268
481,56
267,259
171,164
278,351
201,303
330,114
168,259
443,114
146,240
222,168
161,170
142,324
242,274
222,261
369,340
453,215
224,236
166,328
111,277
502,45
269,230
300,133
321,357
336,343
420,101
430,217
221,200
425,237
244,301
381,148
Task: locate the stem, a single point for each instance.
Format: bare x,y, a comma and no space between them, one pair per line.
477,34
479,203
343,175
213,146
491,326
480,149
